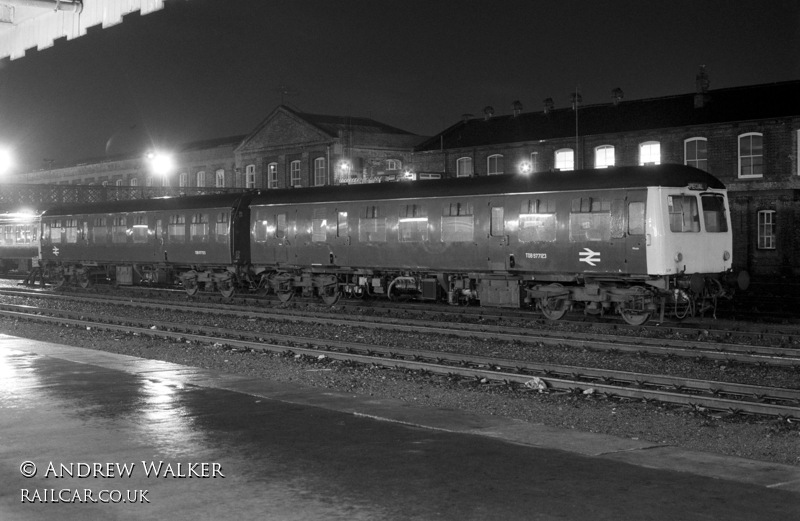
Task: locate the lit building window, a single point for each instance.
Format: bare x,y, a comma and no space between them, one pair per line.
201,179
219,178
250,176
565,159
393,164
751,155
464,167
319,171
294,169
766,230
494,164
650,153
272,175
183,179
604,156
134,182
695,152
119,182
534,161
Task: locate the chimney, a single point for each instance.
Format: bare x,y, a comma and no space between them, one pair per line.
548,105
701,88
616,96
516,107
488,112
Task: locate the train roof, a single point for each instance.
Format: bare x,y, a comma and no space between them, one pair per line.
667,175
227,200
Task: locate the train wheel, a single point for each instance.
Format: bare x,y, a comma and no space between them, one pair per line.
285,296
553,308
330,294
226,288
190,283
59,280
634,318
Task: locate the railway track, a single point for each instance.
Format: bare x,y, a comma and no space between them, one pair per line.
517,374
703,349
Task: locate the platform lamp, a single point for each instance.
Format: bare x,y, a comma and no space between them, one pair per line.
161,163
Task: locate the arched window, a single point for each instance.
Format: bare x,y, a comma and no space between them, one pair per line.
219,178
695,152
494,164
250,176
294,169
201,179
464,167
319,172
604,156
650,153
183,179
272,175
565,159
118,182
751,154
134,181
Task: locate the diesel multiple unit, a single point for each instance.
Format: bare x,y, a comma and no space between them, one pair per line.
627,240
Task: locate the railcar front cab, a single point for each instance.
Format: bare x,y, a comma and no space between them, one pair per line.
689,249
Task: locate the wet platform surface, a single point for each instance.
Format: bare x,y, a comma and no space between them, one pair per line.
105,436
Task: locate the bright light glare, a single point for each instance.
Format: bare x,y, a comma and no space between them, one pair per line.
525,167
162,164
6,160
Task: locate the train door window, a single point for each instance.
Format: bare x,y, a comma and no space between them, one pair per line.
55,232
412,225
221,228
198,228
99,230
281,226
176,230
8,235
71,227
371,225
342,229
714,217
260,225
159,232
683,214
636,218
537,220
457,222
590,219
140,230
498,228
319,225
119,229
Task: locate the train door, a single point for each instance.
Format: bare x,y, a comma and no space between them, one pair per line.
499,250
635,221
159,248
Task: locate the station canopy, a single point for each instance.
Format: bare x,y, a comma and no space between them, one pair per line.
28,24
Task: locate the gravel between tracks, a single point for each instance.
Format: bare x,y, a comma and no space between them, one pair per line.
766,440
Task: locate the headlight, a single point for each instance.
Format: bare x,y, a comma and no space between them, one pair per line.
726,255
678,257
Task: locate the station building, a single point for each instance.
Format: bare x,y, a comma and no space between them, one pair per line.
747,136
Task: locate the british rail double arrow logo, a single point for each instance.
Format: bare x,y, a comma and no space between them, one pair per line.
589,257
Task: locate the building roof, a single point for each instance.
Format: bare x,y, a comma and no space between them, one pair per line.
718,106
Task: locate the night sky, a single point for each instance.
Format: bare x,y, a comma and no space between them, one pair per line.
202,69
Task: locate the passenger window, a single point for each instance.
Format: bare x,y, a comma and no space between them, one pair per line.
119,230
176,231
590,219
198,231
636,222
221,228
457,222
412,224
371,225
683,214
281,226
537,221
714,217
140,230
